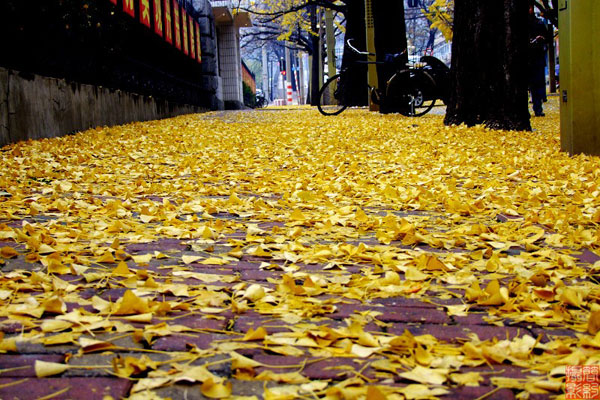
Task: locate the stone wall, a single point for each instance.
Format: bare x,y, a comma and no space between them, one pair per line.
33,107
70,65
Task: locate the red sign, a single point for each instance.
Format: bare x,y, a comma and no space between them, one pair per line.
177,24
582,382
145,12
168,22
184,30
114,2
198,46
158,19
128,7
192,37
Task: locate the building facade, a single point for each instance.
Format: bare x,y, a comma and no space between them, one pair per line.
69,65
229,61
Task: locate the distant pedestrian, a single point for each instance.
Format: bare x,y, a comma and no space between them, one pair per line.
537,61
557,72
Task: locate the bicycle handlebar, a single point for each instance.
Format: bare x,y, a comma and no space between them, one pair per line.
364,53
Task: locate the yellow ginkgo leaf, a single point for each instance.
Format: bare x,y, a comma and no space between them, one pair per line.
121,270
147,218
44,368
374,393
54,305
214,261
571,297
289,377
54,325
61,338
238,361
423,357
594,323
432,376
46,249
190,259
467,379
92,345
361,216
297,215
413,274
417,391
131,304
216,390
143,318
254,292
106,258
258,334
7,344
142,259
8,252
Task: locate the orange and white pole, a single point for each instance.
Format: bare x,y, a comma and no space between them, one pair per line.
288,88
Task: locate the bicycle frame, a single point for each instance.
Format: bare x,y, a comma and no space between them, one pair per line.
410,88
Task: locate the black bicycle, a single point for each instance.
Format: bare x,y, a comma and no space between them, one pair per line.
261,101
411,91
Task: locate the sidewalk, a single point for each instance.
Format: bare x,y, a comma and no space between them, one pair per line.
282,254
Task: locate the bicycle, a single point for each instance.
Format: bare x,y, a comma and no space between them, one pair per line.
412,90
261,101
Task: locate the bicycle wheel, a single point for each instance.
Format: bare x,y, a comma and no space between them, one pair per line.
331,98
411,93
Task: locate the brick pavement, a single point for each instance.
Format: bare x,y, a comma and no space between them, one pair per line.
18,379
206,330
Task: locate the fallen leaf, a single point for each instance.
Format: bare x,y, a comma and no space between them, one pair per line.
131,304
44,368
215,390
594,323
431,376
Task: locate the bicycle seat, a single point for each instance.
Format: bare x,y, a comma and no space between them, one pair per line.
435,63
394,59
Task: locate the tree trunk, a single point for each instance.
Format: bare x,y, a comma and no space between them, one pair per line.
390,35
390,38
552,62
489,65
355,30
315,63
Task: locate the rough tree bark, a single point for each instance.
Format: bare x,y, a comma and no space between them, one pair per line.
489,65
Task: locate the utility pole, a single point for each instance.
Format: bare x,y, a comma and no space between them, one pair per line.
316,54
301,79
314,59
265,73
320,16
330,42
370,32
288,76
297,78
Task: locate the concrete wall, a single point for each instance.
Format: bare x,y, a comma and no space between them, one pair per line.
230,65
33,107
210,58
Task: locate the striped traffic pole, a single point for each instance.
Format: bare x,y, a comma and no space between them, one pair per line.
288,85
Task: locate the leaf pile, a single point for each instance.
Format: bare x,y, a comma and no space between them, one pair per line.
316,257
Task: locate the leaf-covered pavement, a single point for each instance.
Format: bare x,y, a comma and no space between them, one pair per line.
281,254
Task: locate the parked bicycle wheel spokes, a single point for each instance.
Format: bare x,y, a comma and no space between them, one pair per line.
411,93
331,97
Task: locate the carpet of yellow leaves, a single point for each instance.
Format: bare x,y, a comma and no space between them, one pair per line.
379,206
